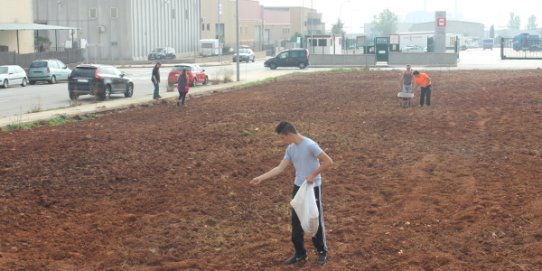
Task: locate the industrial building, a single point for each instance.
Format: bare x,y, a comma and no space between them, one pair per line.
113,30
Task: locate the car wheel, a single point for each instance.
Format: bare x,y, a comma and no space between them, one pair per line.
73,96
5,84
23,84
53,80
32,82
105,93
129,91
273,66
194,82
302,65
253,59
206,81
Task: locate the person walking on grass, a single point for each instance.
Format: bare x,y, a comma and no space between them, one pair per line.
182,87
309,161
156,80
424,81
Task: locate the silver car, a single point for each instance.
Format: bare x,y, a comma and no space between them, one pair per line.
12,75
49,70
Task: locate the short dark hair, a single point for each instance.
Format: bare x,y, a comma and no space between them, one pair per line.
285,128
416,72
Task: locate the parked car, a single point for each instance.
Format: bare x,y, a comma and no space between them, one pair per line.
98,80
290,58
245,54
196,75
50,70
162,53
12,75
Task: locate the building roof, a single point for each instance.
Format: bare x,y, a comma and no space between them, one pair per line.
16,27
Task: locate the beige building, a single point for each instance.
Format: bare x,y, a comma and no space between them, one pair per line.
282,23
218,21
17,11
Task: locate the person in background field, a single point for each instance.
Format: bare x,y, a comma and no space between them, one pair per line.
156,80
306,156
406,80
424,81
182,87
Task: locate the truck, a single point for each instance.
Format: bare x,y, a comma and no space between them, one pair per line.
526,42
209,47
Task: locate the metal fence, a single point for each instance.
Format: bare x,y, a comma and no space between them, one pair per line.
69,56
512,48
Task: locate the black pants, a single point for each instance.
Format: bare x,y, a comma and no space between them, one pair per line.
425,97
319,240
182,97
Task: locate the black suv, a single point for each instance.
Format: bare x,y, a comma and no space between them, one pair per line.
98,80
290,58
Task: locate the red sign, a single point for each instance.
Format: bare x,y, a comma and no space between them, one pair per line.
441,22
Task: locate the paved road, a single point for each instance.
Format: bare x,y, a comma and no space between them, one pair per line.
18,100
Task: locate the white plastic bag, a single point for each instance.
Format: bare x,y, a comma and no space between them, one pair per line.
304,204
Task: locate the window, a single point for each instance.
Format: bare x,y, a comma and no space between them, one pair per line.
322,42
114,12
286,31
202,27
283,55
208,27
93,13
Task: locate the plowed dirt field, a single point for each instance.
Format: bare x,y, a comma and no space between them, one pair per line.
454,186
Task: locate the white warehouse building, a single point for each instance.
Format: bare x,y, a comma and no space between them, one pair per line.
114,30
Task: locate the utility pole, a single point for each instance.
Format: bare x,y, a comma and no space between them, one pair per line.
237,39
220,34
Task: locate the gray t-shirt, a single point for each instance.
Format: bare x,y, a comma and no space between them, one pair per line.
304,156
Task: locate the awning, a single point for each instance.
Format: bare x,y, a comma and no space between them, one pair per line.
33,27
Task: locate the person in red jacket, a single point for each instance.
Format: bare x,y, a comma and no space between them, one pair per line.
424,81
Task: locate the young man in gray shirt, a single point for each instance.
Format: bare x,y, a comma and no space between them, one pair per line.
309,161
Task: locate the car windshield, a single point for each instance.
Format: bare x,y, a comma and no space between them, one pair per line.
38,64
3,70
84,71
180,68
158,50
244,51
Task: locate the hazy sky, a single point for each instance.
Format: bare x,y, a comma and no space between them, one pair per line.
356,12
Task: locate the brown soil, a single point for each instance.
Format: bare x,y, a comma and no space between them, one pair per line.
456,186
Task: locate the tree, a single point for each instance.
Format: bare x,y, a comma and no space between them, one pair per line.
531,24
514,22
492,31
385,23
337,28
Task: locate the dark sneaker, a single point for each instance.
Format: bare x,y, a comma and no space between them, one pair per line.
296,259
322,258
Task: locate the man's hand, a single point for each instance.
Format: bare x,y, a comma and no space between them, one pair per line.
256,181
310,179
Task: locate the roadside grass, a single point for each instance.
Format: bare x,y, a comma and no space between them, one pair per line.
60,120
57,120
257,83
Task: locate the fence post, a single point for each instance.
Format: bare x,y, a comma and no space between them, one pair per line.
502,49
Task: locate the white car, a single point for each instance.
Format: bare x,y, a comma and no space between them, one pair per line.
12,75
